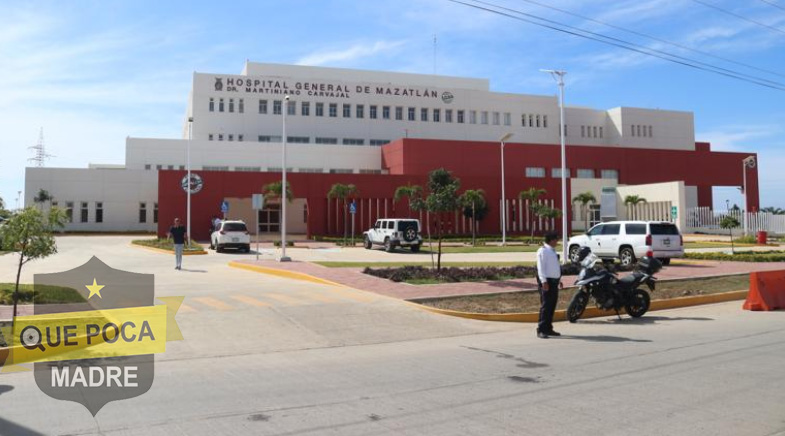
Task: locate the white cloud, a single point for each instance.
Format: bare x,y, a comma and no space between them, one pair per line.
352,53
738,138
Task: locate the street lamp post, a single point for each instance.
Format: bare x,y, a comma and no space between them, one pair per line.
748,162
504,199
284,257
558,75
18,199
188,183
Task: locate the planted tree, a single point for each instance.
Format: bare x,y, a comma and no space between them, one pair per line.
273,190
532,195
633,201
343,192
729,222
413,193
31,235
474,207
42,197
4,213
585,199
442,198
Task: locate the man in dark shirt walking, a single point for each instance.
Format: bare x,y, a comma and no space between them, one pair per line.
178,234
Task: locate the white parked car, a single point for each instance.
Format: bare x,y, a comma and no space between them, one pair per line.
231,234
630,240
393,233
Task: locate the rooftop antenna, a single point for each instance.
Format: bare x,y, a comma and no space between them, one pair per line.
40,151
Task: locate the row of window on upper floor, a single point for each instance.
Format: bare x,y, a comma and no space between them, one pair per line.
258,169
591,132
98,211
641,131
583,173
298,139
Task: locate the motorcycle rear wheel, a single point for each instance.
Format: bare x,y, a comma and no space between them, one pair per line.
639,303
577,306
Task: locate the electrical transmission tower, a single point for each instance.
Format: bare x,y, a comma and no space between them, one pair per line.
40,151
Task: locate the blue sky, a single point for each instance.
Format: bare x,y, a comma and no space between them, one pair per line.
93,72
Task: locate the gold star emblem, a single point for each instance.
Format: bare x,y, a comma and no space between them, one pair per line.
95,289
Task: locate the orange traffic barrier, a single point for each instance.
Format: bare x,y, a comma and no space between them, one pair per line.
767,291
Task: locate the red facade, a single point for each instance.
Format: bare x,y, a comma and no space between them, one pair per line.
476,164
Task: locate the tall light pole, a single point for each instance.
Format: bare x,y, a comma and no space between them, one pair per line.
284,257
188,184
504,199
18,199
558,75
748,162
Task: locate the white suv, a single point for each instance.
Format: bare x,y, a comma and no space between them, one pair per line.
394,233
630,240
231,234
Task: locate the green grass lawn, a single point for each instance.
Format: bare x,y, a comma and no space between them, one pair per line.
710,244
331,264
43,294
167,244
489,249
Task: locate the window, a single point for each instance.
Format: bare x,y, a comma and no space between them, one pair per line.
651,134
240,137
600,131
305,108
269,218
269,138
142,212
147,166
99,212
276,107
507,119
460,117
584,173
263,106
448,115
495,118
664,229
545,121
437,116
472,117
594,131
231,105
424,114
291,108
398,113
596,230
155,212
231,137
248,169
209,137
609,174
484,117
310,170
69,211
556,173
583,131
360,111
215,168
83,213
347,111
182,167
565,130
212,104
158,167
326,140
611,229
531,120
341,171
386,112
362,171
333,110
353,141
378,142
535,172
240,108
523,120
373,112
220,105
538,121
170,167
319,109
411,113
299,139
635,229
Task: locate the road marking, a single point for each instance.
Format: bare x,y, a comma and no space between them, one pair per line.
212,302
184,308
252,301
283,298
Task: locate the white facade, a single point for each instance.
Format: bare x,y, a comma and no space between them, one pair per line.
337,119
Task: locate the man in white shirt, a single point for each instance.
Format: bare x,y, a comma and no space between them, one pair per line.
549,280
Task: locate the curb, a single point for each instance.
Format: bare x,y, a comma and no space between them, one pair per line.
162,250
561,315
283,273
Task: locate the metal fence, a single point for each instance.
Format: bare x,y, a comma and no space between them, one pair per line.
706,220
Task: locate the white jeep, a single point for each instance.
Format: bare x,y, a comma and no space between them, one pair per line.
630,240
231,234
393,233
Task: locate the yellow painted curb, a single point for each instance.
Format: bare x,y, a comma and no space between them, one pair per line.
161,250
591,312
282,273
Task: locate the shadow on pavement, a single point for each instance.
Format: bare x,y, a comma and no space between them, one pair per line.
602,338
9,428
5,388
644,320
194,270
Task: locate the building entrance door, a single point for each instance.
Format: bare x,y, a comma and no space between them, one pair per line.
270,218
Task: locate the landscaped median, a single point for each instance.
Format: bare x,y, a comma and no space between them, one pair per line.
524,306
740,256
167,246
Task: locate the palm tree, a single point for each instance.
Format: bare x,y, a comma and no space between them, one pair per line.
342,192
771,210
42,197
532,195
273,190
2,203
411,192
633,200
473,198
584,199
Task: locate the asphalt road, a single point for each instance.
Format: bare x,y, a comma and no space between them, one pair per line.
266,355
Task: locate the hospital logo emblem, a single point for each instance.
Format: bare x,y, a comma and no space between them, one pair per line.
219,84
195,185
447,97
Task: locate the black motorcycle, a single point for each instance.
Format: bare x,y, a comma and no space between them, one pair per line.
609,291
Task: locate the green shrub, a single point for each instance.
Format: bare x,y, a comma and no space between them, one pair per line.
746,239
41,294
288,243
741,256
166,244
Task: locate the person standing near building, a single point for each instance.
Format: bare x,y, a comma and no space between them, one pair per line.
178,234
549,280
